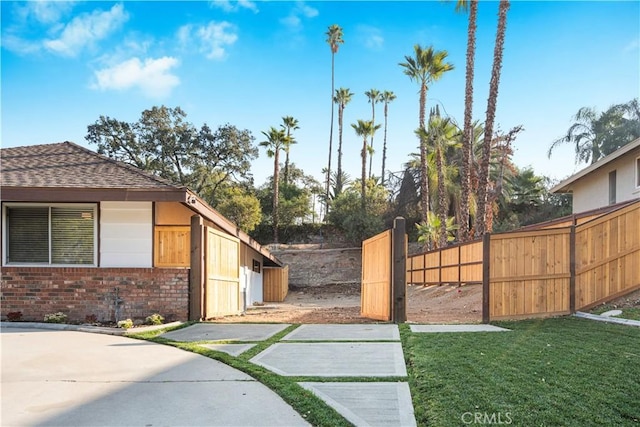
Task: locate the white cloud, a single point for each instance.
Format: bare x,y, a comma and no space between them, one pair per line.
152,76
212,39
371,37
86,29
301,10
235,5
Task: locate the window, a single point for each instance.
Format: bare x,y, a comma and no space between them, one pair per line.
50,234
638,172
612,187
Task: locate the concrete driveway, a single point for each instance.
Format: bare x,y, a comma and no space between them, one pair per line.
66,378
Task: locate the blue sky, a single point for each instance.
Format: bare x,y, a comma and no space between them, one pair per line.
251,63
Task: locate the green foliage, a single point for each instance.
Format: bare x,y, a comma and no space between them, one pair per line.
58,317
125,324
429,232
349,218
154,319
241,207
163,143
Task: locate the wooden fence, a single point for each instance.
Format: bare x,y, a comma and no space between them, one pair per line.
546,271
457,264
275,283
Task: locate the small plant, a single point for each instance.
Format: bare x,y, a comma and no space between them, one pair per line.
58,317
154,319
14,316
125,324
91,318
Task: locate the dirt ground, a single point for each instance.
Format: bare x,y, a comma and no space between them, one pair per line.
340,303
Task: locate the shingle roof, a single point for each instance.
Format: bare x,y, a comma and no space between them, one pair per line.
67,165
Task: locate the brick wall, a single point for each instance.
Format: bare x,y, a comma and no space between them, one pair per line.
81,292
318,267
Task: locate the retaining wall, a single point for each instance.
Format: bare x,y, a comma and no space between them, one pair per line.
318,267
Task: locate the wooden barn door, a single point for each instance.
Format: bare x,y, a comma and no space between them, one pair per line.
222,273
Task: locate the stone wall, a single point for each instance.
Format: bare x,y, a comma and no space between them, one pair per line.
82,292
317,267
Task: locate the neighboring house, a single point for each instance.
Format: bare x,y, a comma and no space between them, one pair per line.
612,179
95,238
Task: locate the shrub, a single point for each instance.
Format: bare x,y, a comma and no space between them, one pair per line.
14,316
154,319
58,317
91,318
125,324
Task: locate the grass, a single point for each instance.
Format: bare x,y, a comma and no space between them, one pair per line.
553,372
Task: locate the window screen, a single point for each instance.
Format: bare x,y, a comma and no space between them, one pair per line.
51,235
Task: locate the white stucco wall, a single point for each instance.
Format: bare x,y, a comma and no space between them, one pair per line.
592,191
126,234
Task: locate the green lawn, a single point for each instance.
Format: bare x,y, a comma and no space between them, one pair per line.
553,372
632,313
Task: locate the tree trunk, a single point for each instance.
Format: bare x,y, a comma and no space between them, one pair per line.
442,199
373,123
363,185
384,145
330,137
276,193
467,135
339,172
424,175
483,185
286,166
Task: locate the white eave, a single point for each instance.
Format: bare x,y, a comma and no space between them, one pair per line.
563,187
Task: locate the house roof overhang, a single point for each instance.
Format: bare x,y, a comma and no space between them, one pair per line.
566,185
77,195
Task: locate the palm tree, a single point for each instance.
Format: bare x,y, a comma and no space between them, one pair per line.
342,98
442,133
386,97
597,134
364,129
426,67
467,137
483,188
274,143
289,124
374,97
334,39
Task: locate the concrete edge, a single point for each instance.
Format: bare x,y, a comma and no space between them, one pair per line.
599,318
86,328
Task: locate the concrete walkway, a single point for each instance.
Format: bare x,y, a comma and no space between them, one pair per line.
68,378
328,351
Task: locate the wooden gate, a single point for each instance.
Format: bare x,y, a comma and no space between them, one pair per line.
376,277
222,273
384,268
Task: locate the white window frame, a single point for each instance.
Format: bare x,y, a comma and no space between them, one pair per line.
5,234
637,168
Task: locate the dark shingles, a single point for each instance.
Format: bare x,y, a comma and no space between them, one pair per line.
67,165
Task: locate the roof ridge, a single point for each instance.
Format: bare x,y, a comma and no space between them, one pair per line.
122,164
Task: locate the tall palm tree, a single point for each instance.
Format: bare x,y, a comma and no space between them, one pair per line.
374,97
334,39
386,97
364,129
426,67
274,143
289,124
342,98
467,137
483,188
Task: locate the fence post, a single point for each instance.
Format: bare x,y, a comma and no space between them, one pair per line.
572,269
196,271
486,255
399,271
